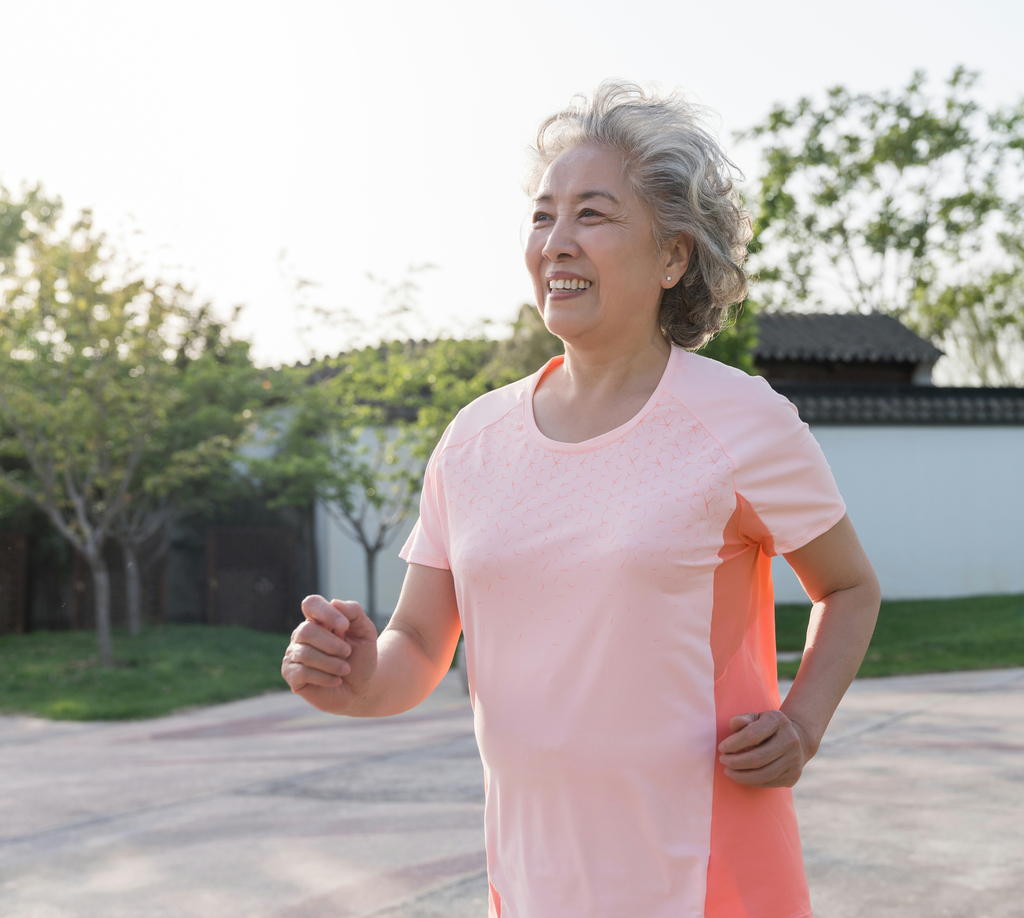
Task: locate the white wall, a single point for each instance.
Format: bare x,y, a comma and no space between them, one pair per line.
341,563
938,509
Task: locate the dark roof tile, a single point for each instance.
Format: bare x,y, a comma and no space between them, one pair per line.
843,337
830,403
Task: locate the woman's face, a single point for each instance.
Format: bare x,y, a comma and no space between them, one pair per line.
589,232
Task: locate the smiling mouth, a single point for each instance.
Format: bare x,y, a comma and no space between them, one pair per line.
567,284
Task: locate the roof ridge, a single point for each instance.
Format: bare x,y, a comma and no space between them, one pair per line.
840,337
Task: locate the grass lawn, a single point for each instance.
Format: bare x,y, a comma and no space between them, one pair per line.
57,674
927,635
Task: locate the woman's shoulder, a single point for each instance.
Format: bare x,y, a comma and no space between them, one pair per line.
728,401
485,410
704,376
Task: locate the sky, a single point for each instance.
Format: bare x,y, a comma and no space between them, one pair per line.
242,147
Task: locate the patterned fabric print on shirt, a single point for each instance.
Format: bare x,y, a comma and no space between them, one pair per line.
655,502
585,582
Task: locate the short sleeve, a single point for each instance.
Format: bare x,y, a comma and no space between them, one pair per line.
788,495
785,493
428,542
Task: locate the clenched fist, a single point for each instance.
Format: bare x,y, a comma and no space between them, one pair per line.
767,749
332,656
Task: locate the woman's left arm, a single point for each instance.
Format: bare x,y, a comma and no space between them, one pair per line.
770,748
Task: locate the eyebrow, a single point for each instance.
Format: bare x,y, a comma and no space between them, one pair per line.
582,196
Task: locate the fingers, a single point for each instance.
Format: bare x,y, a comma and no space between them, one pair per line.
771,749
777,774
317,653
350,609
345,619
305,665
751,730
300,677
765,750
740,721
328,615
311,658
359,625
320,647
316,636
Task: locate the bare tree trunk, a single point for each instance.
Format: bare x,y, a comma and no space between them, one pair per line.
101,591
133,588
371,587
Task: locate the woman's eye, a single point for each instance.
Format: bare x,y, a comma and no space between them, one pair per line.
589,213
539,217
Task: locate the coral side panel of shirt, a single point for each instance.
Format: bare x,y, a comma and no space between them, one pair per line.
756,866
586,581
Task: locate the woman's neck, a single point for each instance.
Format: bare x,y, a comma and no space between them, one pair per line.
594,391
612,369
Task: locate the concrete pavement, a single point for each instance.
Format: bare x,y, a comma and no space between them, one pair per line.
266,808
914,806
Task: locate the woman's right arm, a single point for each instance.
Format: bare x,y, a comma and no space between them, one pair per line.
338,664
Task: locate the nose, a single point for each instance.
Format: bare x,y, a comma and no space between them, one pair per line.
560,244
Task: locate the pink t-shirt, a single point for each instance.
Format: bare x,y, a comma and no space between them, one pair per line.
616,601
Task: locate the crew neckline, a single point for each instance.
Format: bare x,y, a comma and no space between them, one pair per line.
609,436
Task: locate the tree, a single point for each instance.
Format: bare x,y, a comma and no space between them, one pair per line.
22,222
903,204
356,433
80,384
190,463
121,404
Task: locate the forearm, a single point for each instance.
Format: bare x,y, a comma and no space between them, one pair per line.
770,748
405,676
838,635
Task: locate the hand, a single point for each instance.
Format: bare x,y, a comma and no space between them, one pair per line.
766,750
332,656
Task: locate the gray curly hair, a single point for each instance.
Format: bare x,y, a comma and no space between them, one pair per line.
681,174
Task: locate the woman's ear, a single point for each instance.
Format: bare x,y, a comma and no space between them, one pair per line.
677,258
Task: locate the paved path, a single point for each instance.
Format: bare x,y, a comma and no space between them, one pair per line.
266,808
914,806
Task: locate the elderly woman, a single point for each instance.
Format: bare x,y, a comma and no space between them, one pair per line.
602,533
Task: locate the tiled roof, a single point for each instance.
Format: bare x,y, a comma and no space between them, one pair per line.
829,403
842,337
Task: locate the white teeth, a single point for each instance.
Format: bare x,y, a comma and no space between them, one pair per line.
571,284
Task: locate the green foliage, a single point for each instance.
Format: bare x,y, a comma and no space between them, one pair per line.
734,345
191,459
22,221
525,351
57,674
369,417
121,404
903,204
111,389
457,371
356,433
927,635
81,378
